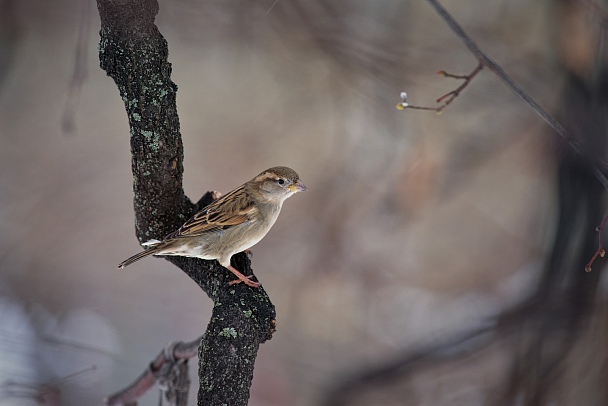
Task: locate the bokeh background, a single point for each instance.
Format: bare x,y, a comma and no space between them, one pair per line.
417,228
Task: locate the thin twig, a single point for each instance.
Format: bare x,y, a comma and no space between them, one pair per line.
271,7
448,97
486,61
600,250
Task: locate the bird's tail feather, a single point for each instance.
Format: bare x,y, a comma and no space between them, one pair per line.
137,257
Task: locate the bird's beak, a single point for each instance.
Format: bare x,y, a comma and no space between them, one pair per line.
298,186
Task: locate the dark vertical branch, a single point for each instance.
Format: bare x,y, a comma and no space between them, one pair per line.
134,53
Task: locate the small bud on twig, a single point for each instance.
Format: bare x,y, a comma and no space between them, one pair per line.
448,97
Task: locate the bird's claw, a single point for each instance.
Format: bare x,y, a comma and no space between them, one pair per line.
247,281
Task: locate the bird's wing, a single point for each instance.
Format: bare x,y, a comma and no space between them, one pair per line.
228,211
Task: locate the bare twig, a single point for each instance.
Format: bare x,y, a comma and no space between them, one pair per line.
486,61
600,250
448,97
171,358
272,6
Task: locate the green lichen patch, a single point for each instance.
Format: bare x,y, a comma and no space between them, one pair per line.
228,332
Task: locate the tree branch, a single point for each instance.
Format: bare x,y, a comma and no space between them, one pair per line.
171,356
486,61
134,53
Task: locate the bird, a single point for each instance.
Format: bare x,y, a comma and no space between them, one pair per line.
233,223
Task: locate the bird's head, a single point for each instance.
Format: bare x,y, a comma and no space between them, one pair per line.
278,183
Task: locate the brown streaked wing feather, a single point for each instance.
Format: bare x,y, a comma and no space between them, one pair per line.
229,210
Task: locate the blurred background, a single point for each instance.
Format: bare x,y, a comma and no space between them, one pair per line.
435,259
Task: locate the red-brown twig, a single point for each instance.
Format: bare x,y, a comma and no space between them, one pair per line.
448,97
600,249
170,356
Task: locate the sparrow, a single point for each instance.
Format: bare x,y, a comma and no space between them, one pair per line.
233,223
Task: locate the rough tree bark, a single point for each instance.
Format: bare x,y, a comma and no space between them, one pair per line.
133,52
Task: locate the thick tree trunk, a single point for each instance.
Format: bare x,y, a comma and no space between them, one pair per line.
134,53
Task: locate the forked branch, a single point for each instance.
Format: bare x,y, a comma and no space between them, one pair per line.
168,369
446,98
600,252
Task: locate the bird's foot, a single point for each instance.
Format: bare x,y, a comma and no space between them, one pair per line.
242,278
247,281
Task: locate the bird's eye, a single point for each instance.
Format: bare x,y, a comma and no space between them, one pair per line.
281,181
